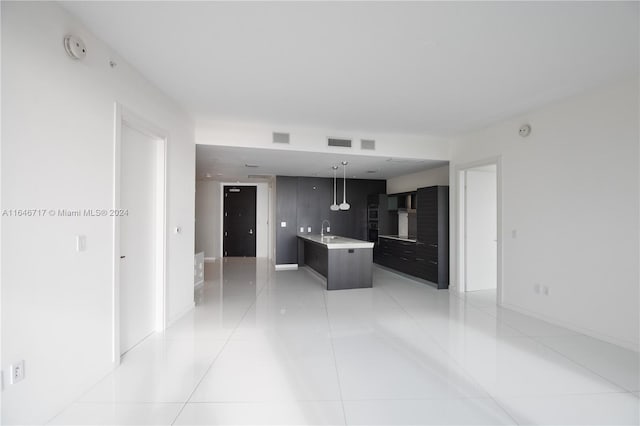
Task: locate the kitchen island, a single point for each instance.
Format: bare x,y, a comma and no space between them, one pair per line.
345,262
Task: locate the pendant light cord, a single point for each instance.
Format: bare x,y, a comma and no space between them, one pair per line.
344,183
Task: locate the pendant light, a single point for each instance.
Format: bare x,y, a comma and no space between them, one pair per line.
344,205
334,207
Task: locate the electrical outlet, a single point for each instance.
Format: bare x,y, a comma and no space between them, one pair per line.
302,229
17,372
309,229
545,290
328,229
536,288
283,224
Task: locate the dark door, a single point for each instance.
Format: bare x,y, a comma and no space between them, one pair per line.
239,221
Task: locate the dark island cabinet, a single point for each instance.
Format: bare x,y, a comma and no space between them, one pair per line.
432,249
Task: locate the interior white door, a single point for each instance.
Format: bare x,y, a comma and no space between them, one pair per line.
481,229
138,195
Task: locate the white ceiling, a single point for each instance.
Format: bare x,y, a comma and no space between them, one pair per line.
410,67
437,68
226,163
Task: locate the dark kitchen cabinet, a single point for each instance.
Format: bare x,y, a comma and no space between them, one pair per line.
432,249
428,257
397,254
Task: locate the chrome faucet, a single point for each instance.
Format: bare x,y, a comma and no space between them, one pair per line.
322,227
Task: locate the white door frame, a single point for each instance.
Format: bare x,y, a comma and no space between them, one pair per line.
460,221
123,115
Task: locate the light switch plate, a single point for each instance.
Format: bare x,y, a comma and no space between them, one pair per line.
81,242
283,224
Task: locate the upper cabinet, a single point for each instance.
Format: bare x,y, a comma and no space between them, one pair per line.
401,201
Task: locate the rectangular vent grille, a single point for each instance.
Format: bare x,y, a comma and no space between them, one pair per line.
344,143
280,137
367,144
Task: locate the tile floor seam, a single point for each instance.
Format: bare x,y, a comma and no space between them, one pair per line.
335,359
216,357
263,401
445,351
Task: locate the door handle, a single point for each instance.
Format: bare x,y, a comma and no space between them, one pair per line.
250,231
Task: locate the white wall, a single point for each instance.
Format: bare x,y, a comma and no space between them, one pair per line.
481,226
208,218
570,191
57,152
313,139
209,203
413,181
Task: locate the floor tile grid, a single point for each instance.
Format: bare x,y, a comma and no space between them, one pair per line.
214,360
507,413
335,361
540,340
78,400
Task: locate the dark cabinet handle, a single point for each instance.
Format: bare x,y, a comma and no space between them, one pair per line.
122,257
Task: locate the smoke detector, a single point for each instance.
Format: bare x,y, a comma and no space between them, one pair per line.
75,47
525,130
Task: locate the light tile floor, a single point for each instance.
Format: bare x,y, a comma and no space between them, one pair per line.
266,347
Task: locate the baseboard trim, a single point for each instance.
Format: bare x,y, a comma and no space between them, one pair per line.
287,267
582,330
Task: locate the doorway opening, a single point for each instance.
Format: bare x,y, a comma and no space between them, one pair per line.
139,231
479,236
239,221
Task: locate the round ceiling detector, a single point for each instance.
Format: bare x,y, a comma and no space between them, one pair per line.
525,130
75,47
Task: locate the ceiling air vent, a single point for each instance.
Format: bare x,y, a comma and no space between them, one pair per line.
344,143
367,144
280,137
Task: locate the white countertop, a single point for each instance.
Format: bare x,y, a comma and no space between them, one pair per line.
398,237
337,242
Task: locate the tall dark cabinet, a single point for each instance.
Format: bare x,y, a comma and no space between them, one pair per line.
432,248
